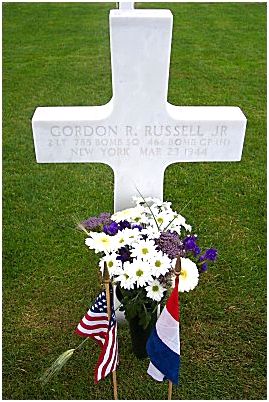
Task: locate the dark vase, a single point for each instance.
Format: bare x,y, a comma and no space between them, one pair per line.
139,335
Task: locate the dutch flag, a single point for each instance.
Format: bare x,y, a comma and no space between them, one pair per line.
163,345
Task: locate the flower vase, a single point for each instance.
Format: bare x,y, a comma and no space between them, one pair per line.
139,335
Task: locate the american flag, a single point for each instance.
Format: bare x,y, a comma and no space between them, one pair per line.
95,324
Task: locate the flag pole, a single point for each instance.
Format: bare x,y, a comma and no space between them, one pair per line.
177,273
106,280
170,387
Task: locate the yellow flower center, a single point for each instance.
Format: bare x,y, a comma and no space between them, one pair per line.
139,272
183,274
158,263
110,264
145,250
155,288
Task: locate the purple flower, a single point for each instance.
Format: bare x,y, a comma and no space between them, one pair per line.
111,229
96,222
170,244
190,245
90,223
139,227
203,267
211,254
124,254
105,217
189,242
124,225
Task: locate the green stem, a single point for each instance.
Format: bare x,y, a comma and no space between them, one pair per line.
170,223
202,262
155,308
177,215
185,206
80,345
118,307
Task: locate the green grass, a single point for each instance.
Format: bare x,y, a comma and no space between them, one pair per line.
58,54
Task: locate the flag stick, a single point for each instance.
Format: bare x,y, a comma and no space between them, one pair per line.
177,273
106,280
170,387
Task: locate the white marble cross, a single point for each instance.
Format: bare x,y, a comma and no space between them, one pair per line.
138,133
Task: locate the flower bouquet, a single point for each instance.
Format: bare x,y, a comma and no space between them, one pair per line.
140,246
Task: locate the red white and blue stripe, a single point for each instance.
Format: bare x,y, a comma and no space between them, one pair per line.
95,324
163,345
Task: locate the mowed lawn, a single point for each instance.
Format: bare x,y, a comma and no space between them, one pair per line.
58,54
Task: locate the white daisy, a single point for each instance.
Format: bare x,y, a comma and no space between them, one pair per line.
130,214
147,200
155,290
152,232
114,266
125,214
125,278
187,227
160,264
100,242
144,249
126,237
167,205
179,222
189,275
158,202
141,272
160,206
164,218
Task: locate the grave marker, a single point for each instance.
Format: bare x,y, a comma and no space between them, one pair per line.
138,133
